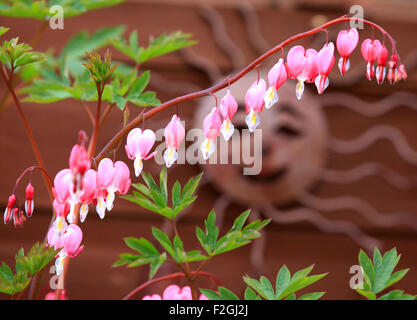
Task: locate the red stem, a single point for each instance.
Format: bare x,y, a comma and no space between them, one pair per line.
230,80
28,131
169,277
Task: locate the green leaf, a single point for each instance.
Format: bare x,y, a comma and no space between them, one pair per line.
383,268
146,99
312,296
156,264
251,295
3,30
142,246
223,294
139,85
176,194
163,181
163,239
397,295
240,220
283,280
397,276
367,294
368,269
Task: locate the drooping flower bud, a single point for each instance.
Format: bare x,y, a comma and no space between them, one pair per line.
211,125
346,43
392,69
29,204
79,162
254,102
174,134
381,59
276,77
228,108
8,212
325,61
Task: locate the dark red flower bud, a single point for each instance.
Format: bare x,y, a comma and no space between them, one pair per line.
8,212
29,204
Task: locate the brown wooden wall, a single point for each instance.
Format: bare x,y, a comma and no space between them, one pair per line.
297,245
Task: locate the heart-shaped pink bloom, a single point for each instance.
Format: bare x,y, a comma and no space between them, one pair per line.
325,59
63,183
277,75
347,41
296,61
212,123
89,188
228,106
369,49
254,98
72,240
174,132
381,55
54,239
139,144
105,173
174,292
122,180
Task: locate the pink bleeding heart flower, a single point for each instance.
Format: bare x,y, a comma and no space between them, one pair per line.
138,146
174,292
369,50
174,134
211,125
381,61
70,244
65,191
72,240
63,185
325,61
29,204
152,297
301,65
105,177
276,77
111,178
89,192
254,103
228,108
57,231
346,42
9,209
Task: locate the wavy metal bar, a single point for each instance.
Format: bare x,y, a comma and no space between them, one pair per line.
253,28
323,224
363,208
222,38
371,136
370,109
369,169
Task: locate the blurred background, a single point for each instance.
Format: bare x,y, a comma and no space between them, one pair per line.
339,170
